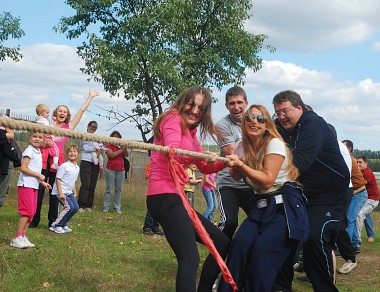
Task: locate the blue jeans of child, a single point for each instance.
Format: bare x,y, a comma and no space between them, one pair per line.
70,207
354,208
211,204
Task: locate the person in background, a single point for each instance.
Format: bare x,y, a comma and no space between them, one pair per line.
359,197
177,128
115,174
325,179
343,241
42,111
208,190
371,203
232,194
27,187
151,226
6,165
193,181
63,120
97,157
89,171
64,189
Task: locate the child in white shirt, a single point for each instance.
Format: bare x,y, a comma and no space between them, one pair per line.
64,189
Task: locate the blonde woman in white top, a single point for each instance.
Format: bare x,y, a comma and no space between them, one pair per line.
268,235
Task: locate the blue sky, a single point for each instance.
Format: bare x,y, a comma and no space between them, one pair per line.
328,51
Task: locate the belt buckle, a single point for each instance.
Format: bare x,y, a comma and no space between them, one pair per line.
262,203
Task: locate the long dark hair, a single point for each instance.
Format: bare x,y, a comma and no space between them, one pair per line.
207,126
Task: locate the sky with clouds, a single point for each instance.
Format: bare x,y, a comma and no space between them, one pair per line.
328,51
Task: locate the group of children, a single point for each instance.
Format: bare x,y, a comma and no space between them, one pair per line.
30,178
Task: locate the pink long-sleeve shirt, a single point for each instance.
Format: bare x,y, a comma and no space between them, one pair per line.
160,180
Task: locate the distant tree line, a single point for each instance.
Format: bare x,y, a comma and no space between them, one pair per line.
372,156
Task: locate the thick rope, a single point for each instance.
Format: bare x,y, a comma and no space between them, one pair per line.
29,126
177,171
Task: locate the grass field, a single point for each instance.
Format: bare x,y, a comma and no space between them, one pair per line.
108,252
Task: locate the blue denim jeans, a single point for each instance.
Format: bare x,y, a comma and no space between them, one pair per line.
354,208
211,204
114,178
70,208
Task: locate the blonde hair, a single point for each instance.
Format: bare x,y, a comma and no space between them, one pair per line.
72,147
255,159
40,107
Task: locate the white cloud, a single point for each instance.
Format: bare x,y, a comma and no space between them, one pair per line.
376,47
351,107
314,25
50,74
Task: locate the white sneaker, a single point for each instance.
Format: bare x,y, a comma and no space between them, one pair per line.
347,267
28,243
67,229
81,210
18,242
57,229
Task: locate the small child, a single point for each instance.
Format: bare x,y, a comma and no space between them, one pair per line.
208,190
189,190
27,188
42,111
64,189
98,160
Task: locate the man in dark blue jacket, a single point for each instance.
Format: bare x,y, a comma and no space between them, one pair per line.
325,180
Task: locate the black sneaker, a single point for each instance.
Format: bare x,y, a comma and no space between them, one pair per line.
148,231
157,230
356,249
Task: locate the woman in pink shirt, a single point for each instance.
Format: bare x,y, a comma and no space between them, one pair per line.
177,128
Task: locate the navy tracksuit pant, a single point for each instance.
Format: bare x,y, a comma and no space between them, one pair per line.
259,249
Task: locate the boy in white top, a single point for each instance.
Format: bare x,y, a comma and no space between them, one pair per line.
64,189
42,111
27,188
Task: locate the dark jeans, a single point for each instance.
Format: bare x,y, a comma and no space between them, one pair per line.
53,200
88,177
149,221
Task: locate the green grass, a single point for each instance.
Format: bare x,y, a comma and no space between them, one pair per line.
108,252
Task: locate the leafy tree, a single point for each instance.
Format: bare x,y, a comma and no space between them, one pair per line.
10,27
151,50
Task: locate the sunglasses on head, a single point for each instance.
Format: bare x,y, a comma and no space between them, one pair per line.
260,118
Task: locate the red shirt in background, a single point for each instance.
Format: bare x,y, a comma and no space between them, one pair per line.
117,162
